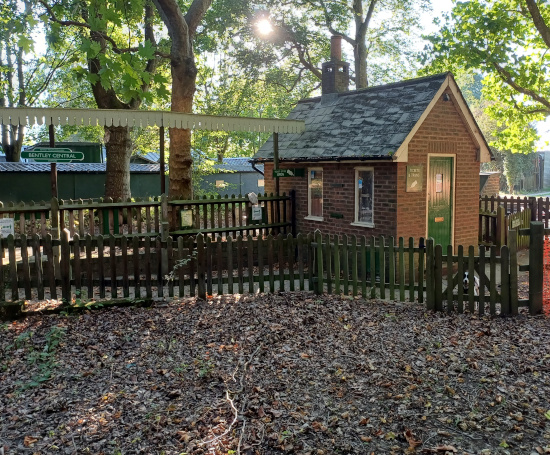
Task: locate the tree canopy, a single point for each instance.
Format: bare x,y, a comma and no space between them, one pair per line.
381,34
509,41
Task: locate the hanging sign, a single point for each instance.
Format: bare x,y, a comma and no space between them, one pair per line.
296,172
7,227
415,176
52,155
186,218
256,213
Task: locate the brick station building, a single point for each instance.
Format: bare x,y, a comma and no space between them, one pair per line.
400,159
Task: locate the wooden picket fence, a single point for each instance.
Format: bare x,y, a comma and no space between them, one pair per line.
217,215
78,269
539,206
150,217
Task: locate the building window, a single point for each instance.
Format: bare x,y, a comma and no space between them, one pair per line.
315,193
220,184
261,182
364,196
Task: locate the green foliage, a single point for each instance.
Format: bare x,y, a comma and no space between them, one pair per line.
42,361
500,39
380,48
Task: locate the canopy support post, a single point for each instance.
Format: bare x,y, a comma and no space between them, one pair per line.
53,166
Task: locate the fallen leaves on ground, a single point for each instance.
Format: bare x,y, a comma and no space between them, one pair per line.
275,374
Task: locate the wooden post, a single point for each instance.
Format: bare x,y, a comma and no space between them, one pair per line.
430,266
162,169
53,166
55,234
319,239
164,233
276,159
65,268
512,244
293,212
536,266
201,266
500,235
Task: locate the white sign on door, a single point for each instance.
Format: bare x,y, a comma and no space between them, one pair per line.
7,227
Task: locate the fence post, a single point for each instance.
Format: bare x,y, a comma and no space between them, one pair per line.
533,207
512,244
430,266
65,268
293,212
319,239
164,233
536,266
201,267
55,235
500,235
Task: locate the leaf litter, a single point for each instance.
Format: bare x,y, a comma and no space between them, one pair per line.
291,373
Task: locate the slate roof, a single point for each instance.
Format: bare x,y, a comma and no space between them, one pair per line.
74,167
363,124
236,165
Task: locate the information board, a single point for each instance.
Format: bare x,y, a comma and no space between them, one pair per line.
7,227
415,176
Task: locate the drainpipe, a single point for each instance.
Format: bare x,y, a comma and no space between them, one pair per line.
255,168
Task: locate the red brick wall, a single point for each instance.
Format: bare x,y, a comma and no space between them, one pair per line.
492,186
397,212
339,197
442,129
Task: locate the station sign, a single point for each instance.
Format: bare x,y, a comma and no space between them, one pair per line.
52,155
297,172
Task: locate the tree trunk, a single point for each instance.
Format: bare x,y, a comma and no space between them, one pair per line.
12,139
184,74
360,55
119,145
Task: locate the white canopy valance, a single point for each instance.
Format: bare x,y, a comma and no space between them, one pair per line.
123,117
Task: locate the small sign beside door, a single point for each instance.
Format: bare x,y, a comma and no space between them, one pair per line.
415,175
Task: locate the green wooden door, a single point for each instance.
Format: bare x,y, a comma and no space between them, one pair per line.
440,200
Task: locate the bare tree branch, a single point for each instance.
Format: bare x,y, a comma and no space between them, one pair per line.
195,13
538,20
508,79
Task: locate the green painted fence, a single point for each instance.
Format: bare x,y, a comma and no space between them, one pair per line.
78,269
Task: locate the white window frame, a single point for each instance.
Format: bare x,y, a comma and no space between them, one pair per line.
309,216
356,221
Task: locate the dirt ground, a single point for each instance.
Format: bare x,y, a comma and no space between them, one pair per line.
291,373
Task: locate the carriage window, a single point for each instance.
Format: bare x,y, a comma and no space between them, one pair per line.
364,196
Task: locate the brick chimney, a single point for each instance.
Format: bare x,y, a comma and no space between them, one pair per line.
336,72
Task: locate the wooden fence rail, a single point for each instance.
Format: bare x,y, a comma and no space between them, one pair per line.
539,206
217,215
150,217
78,269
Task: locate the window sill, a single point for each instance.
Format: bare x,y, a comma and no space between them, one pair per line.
313,218
356,223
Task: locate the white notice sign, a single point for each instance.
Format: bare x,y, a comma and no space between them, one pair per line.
256,213
7,227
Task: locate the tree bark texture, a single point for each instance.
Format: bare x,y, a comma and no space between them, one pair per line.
184,74
12,140
117,179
